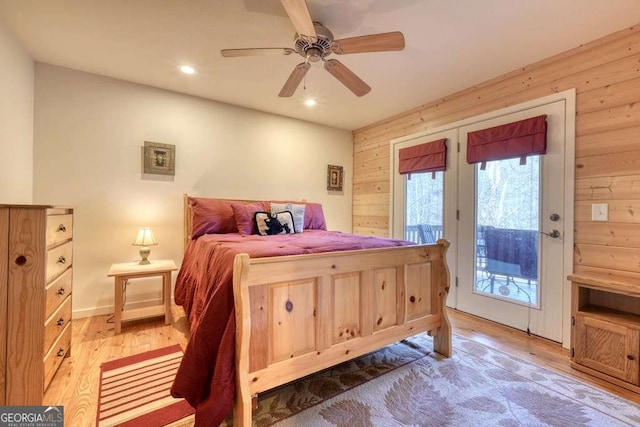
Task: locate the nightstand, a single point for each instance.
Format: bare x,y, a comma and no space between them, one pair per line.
133,270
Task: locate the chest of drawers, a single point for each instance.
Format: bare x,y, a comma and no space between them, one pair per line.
36,278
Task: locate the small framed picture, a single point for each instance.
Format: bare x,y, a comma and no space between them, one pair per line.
334,178
159,158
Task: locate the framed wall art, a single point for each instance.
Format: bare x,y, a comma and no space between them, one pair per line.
159,159
334,178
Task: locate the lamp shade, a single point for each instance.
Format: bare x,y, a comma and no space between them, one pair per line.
145,238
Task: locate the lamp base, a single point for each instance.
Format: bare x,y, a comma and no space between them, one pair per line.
144,254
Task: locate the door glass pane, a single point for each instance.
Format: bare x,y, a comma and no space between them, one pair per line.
424,206
507,225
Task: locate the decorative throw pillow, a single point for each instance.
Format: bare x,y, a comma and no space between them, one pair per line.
243,213
297,211
314,217
269,224
211,216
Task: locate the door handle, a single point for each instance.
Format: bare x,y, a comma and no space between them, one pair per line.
554,234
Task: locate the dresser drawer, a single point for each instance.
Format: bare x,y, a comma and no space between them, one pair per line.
59,228
53,358
57,291
56,323
58,260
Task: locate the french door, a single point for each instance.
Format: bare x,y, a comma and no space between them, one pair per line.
496,215
424,204
512,220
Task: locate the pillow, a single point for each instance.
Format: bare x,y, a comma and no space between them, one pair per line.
243,214
314,217
211,216
297,211
269,224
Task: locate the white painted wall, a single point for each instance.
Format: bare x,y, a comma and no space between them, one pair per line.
88,134
16,121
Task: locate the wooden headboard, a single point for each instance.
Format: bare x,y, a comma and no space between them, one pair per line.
188,213
188,221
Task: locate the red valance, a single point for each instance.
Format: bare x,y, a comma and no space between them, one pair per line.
518,139
427,157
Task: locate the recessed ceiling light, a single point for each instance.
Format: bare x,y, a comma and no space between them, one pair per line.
310,102
187,69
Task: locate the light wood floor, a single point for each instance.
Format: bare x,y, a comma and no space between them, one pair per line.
76,384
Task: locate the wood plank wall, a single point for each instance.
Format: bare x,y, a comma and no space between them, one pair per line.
606,75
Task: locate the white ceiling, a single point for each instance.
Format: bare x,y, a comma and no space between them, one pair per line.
450,45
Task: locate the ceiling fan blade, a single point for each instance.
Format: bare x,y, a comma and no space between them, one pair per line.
230,53
347,77
294,80
372,43
301,18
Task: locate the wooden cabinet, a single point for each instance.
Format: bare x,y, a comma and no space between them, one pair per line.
36,258
605,336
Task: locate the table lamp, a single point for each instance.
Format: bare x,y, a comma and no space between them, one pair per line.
145,239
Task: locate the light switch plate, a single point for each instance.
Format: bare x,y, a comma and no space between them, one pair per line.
600,212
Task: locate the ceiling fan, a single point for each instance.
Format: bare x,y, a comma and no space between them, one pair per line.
315,42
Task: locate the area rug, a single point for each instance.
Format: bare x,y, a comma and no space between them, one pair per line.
407,384
134,390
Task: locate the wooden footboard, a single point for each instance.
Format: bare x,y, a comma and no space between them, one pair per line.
296,315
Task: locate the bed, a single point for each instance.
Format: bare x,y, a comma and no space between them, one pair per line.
267,310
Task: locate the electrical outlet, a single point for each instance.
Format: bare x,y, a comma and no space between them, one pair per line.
600,212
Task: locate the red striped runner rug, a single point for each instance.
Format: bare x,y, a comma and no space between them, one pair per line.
134,390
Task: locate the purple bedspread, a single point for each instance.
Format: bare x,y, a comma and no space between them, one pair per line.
204,288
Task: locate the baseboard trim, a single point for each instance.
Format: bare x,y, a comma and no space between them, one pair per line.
109,309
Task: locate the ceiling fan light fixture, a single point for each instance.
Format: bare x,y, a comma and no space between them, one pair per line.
313,54
187,69
310,102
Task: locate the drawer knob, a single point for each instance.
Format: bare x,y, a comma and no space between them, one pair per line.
62,228
61,291
21,260
60,352
60,321
630,357
62,260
